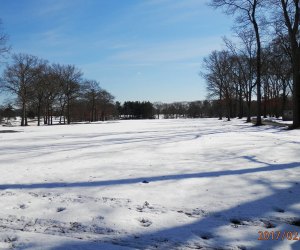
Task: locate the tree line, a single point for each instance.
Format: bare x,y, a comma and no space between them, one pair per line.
175,110
262,62
45,90
135,110
130,110
230,75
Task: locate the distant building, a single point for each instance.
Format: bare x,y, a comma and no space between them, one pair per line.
287,115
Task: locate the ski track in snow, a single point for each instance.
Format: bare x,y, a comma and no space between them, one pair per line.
153,184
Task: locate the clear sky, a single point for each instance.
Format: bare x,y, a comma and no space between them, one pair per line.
137,49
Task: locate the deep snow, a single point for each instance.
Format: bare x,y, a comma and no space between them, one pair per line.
166,184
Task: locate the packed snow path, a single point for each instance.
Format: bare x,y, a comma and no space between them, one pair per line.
155,184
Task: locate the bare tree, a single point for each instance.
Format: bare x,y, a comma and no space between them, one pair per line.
276,76
158,106
39,87
52,90
221,78
245,55
288,20
69,78
19,78
92,92
214,77
248,13
105,102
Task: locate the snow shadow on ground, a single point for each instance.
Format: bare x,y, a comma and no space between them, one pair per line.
206,230
268,167
8,131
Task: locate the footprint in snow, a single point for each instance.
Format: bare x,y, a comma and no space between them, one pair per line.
98,219
144,222
279,210
294,222
203,235
9,238
206,236
145,206
195,213
60,209
22,206
239,222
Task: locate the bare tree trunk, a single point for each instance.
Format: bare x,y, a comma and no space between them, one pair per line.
49,114
241,104
258,70
284,99
220,106
228,109
62,111
45,118
265,106
39,113
249,101
68,111
292,21
265,99
296,96
23,114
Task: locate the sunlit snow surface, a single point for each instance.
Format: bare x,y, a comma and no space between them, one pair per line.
154,184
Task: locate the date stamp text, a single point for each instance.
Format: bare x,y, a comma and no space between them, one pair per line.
278,235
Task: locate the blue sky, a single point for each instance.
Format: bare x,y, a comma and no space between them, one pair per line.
137,49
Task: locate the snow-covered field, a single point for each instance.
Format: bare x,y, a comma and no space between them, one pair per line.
155,184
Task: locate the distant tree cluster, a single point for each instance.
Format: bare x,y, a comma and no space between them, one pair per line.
46,90
269,70
159,110
135,110
7,112
194,109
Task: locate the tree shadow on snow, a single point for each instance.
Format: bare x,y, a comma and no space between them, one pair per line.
146,179
226,229
218,230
